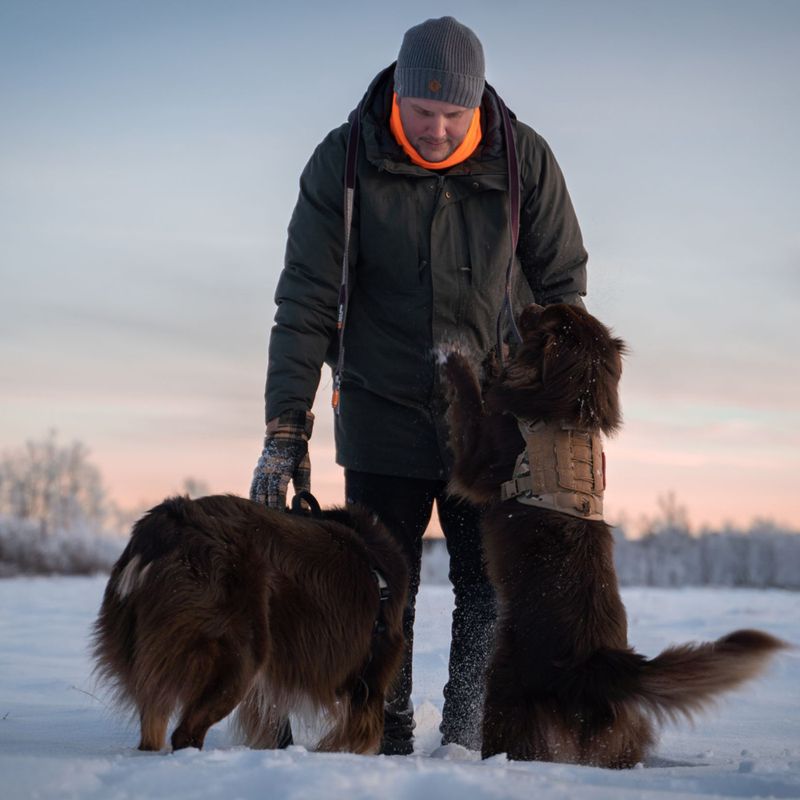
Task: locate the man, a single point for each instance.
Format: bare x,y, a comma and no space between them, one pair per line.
429,247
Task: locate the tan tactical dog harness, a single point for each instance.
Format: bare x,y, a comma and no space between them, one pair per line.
561,468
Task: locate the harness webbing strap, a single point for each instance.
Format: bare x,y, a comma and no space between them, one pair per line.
351,163
576,505
383,595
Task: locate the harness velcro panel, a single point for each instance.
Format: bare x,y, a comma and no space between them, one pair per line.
579,461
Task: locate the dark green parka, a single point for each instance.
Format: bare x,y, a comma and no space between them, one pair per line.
428,258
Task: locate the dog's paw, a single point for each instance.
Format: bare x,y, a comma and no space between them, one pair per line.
445,350
451,356
459,378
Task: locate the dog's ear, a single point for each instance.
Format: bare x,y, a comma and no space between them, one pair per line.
548,355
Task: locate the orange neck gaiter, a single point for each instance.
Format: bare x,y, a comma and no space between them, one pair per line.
461,153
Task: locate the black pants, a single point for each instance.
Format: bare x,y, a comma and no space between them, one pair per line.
404,505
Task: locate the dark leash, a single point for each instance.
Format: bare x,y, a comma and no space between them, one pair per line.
305,505
351,161
513,226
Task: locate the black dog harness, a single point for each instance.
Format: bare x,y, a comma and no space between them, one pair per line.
306,505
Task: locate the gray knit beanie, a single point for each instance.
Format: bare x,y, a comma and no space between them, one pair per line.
441,59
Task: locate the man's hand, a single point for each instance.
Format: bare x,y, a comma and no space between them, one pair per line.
283,459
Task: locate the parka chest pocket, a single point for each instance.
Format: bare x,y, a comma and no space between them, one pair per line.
394,225
485,226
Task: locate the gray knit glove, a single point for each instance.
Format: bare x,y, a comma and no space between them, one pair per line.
283,459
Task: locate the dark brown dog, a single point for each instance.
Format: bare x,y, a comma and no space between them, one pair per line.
563,683
219,602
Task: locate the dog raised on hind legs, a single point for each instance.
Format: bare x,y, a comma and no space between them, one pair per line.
563,684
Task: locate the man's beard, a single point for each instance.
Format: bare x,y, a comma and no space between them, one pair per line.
440,153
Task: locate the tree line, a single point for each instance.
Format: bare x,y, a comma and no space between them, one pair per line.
56,518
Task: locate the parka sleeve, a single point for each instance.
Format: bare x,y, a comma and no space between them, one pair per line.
550,247
308,288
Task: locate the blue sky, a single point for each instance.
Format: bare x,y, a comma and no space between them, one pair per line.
149,157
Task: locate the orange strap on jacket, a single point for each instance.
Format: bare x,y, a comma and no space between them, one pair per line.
461,153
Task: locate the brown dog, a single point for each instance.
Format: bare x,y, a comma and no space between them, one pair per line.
219,602
563,683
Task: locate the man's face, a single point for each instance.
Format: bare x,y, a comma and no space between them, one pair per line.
435,129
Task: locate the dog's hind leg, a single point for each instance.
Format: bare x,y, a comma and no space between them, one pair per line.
153,722
260,722
360,715
495,731
517,730
218,688
622,744
155,696
358,727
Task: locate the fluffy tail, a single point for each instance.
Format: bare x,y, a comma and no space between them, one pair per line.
683,679
113,644
687,678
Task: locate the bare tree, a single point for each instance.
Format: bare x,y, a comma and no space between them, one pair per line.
195,487
53,485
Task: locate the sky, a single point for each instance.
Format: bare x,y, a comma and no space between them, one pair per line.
149,159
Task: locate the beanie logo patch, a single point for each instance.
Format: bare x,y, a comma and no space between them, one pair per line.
434,85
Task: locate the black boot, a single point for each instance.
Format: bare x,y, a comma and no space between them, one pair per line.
398,712
398,730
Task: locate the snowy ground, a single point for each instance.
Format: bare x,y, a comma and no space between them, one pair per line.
58,741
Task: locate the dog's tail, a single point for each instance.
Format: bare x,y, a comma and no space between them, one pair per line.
683,679
115,633
114,643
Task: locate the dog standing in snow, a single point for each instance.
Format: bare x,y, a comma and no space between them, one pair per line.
219,602
563,684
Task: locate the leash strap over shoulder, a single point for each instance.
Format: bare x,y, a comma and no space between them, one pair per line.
350,168
513,226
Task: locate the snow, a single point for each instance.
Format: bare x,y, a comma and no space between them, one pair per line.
59,740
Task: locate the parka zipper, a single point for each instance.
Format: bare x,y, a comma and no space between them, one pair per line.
440,179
